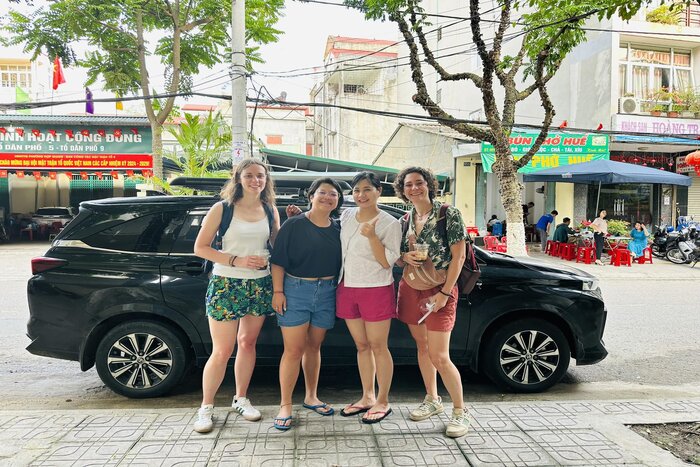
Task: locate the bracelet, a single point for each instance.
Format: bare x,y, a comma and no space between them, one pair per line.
445,294
278,291
231,260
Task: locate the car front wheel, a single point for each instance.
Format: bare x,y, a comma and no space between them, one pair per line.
529,355
141,359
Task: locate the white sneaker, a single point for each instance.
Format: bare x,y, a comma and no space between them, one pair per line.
243,406
459,424
204,423
599,262
427,409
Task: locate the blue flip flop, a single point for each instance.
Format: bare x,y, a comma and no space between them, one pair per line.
316,408
279,423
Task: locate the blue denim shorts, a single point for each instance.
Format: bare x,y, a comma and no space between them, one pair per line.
309,302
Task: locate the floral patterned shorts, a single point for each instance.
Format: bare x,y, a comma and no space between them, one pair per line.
230,299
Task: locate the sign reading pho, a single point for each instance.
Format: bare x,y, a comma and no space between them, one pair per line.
69,147
557,150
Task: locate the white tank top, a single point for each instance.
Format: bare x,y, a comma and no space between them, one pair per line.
243,238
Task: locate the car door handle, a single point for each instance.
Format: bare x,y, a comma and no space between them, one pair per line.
190,268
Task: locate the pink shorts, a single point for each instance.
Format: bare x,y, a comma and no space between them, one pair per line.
369,303
442,320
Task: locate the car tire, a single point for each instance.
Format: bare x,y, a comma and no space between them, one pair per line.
141,359
510,362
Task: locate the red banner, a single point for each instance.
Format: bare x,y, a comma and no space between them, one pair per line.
80,161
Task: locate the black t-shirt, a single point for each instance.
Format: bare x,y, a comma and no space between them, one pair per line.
306,250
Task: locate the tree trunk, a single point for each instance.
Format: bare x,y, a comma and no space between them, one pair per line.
157,150
510,190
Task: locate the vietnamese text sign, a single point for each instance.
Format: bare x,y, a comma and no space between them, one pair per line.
558,149
661,126
76,161
62,139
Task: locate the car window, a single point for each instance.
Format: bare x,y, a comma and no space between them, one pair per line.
184,243
153,233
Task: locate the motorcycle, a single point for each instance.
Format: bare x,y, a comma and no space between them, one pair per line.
686,249
658,245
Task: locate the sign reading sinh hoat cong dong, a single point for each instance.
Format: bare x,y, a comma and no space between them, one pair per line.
73,147
558,149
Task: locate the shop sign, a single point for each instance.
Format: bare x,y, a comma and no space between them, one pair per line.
558,149
72,161
682,167
661,126
62,139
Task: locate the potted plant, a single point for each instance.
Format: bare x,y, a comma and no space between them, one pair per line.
618,228
677,105
660,101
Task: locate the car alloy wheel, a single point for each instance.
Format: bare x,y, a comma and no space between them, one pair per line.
141,358
140,361
528,355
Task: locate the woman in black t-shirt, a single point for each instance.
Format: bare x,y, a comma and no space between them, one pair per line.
305,262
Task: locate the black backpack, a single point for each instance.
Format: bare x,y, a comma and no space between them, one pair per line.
470,272
226,217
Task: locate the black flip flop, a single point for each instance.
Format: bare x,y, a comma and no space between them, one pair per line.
343,413
376,420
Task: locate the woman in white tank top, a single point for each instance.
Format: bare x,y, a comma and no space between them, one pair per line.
240,288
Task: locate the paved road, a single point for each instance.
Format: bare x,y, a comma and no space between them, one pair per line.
651,335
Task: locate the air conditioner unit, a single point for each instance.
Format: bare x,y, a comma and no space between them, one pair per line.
629,105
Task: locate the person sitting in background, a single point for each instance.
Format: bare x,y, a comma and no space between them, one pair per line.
563,230
494,227
638,243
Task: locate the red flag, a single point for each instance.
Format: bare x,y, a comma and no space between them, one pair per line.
146,173
130,173
84,175
52,175
115,175
3,173
98,175
20,174
37,175
58,77
69,175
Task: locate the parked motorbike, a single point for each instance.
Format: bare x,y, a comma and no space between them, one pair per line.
685,249
658,245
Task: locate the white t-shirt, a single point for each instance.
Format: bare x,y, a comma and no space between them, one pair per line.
243,238
360,268
602,225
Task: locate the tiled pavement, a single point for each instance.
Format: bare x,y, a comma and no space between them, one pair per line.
502,434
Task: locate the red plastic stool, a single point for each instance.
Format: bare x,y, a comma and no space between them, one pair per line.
548,247
646,256
585,254
554,249
621,256
567,251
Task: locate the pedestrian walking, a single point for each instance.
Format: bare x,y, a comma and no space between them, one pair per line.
365,299
430,279
305,264
239,294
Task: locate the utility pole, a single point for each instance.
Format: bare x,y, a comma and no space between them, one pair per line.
239,116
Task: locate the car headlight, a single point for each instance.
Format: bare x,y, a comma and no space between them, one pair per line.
590,284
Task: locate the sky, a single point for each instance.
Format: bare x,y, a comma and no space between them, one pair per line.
305,27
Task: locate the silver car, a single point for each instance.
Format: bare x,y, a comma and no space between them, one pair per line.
49,215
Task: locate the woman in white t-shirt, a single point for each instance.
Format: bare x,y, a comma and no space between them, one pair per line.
365,297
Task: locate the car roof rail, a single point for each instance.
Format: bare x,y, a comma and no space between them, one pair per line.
283,181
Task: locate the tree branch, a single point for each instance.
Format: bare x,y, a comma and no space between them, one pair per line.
175,80
498,41
541,85
430,58
143,71
490,107
423,98
189,26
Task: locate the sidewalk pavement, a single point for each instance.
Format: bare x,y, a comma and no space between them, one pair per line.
502,434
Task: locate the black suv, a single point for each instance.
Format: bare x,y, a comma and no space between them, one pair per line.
120,289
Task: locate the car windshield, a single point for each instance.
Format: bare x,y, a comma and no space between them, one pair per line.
52,212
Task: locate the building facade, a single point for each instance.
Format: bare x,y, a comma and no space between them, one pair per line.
357,73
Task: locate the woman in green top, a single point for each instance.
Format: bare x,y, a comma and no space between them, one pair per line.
432,281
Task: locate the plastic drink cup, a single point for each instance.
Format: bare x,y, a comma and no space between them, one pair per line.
265,255
421,251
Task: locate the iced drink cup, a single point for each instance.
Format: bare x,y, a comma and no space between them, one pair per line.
421,251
